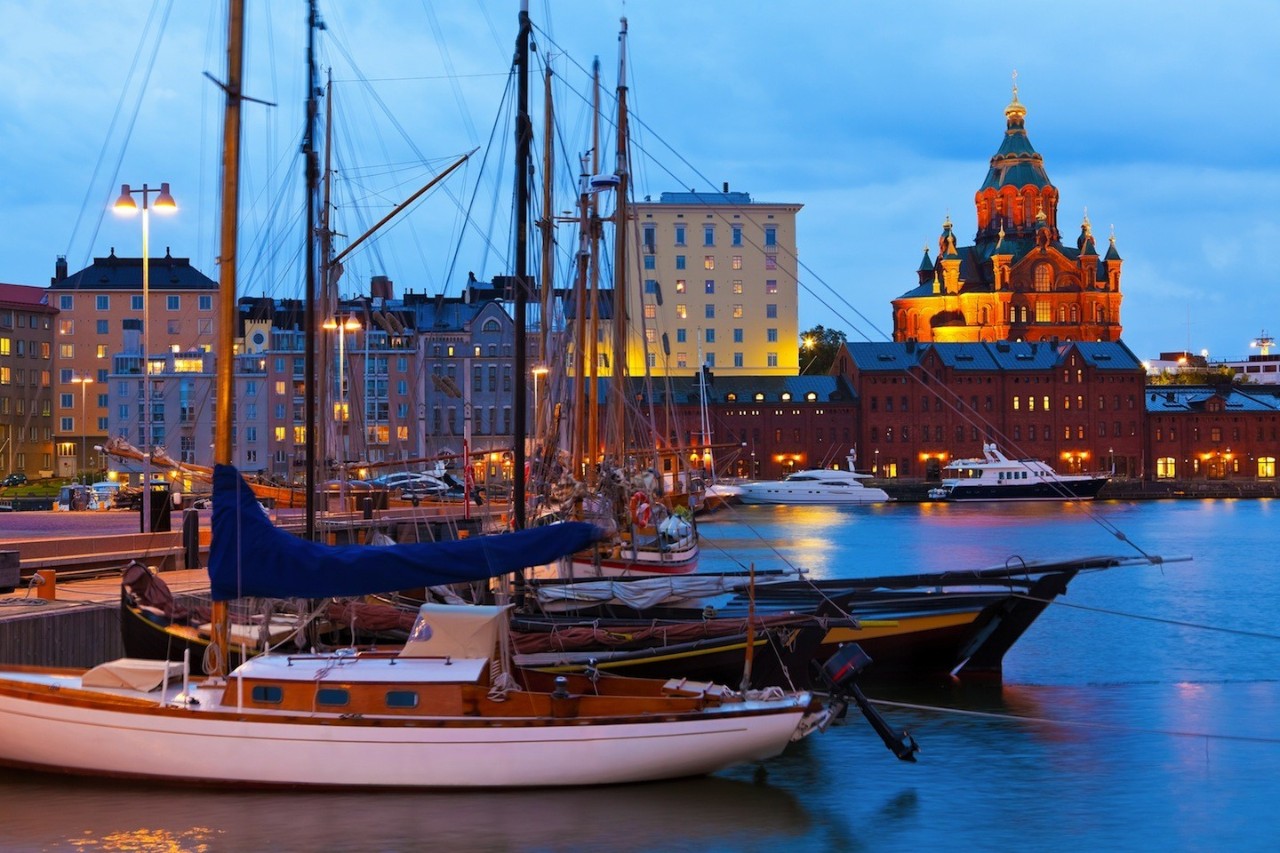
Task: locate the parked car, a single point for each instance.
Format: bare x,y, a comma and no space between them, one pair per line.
15,479
128,497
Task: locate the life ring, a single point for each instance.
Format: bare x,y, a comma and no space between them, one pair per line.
641,512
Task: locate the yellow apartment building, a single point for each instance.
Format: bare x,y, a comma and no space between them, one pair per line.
716,284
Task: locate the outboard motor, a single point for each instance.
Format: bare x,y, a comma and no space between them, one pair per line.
840,674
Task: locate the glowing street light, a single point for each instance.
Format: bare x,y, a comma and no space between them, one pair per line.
83,381
126,206
350,324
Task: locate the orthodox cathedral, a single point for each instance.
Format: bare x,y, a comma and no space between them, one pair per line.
1018,281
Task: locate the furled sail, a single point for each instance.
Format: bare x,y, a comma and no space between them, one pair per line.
250,556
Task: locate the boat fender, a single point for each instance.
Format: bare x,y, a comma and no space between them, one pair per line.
641,512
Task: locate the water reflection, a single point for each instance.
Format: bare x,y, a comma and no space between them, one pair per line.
686,814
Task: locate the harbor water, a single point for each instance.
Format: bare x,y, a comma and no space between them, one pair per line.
1138,713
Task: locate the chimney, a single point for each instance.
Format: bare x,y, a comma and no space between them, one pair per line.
60,268
726,187
380,287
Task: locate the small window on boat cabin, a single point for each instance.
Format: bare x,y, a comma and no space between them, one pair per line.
332,696
402,699
269,694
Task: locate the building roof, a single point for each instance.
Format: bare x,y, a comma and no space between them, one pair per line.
115,273
897,356
681,390
1181,399
25,296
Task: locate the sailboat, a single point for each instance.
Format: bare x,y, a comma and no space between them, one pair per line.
611,473
445,711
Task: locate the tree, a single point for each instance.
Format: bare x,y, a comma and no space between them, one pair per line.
818,349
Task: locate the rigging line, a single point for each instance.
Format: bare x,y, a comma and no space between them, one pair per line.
131,121
1179,623
1082,724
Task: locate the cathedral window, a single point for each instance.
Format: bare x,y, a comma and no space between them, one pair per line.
1044,312
1044,277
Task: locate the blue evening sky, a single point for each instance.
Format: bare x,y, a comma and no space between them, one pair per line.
1159,118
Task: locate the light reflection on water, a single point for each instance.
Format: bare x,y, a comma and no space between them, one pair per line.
1130,734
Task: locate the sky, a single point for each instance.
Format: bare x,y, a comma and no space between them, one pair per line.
1158,118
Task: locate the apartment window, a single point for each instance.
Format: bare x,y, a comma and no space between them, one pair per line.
737,262
66,350
708,262
771,335
772,359
206,303
737,286
135,303
650,336
680,285
737,359
650,311
771,285
102,327
737,310
650,262
173,303
680,235
682,311
737,235
771,235
710,285
710,359
708,235
650,237
66,326
65,302
771,310
771,262
682,359
650,286
174,327
681,336
710,336
710,309
680,262
102,302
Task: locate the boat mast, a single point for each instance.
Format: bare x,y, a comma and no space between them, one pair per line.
616,413
590,399
546,225
227,253
309,262
524,132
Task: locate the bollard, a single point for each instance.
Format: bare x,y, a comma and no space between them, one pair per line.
47,584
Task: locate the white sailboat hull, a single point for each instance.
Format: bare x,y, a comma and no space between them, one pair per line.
83,732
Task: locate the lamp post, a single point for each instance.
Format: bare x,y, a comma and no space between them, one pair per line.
350,324
541,370
126,206
83,381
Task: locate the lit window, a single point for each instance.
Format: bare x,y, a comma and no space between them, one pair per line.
771,285
680,285
737,262
737,310
682,311
709,262
737,285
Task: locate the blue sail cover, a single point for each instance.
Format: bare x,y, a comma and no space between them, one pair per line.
250,556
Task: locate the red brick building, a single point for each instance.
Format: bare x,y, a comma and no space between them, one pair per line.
1077,405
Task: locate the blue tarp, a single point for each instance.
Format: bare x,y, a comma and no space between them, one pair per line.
250,556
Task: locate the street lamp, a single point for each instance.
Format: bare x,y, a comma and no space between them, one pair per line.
350,324
541,370
83,381
126,206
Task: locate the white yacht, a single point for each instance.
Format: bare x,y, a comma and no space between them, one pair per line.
996,477
832,486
